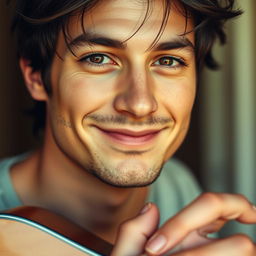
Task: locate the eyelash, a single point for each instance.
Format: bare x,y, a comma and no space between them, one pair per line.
88,56
180,61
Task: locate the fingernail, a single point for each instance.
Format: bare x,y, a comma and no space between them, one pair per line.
254,207
156,244
145,208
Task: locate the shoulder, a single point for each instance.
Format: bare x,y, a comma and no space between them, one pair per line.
9,161
8,196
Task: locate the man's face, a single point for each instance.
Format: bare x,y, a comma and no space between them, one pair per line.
120,108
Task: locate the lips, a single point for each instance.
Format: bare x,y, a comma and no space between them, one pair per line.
130,137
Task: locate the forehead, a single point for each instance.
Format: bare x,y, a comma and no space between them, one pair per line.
122,19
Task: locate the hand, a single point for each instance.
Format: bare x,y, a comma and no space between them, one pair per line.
187,229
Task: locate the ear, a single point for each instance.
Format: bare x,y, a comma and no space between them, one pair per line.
33,81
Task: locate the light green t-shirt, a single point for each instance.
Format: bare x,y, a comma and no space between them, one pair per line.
174,188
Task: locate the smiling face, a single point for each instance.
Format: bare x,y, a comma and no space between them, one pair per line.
120,108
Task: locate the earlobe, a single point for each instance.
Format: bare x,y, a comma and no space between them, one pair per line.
33,81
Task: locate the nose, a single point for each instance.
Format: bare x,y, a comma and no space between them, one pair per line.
136,97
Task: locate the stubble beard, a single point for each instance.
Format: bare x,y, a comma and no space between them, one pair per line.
126,177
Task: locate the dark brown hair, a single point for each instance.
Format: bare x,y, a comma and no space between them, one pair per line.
37,24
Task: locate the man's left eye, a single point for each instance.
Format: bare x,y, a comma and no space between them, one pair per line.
169,61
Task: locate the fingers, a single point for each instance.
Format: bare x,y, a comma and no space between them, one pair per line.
237,245
194,239
212,227
205,210
134,233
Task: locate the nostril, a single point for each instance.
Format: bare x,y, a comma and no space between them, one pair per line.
136,104
136,97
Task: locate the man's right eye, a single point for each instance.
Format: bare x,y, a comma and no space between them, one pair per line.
97,59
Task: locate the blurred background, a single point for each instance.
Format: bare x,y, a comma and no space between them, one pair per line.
227,114
221,145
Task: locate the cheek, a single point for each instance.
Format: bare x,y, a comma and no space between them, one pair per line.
84,94
179,97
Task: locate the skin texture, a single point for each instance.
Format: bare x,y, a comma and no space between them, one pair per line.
118,110
129,85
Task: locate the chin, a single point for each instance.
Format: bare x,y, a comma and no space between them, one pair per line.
127,179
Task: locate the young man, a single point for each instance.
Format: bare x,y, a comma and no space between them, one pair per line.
118,79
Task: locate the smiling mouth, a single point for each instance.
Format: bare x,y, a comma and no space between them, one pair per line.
129,137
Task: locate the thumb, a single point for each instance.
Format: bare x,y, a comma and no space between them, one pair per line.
134,233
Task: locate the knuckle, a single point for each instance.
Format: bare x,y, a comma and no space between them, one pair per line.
244,244
242,197
212,198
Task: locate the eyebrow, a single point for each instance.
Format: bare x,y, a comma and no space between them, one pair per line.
94,39
90,39
177,43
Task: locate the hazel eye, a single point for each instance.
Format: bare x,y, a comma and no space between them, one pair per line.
97,59
169,61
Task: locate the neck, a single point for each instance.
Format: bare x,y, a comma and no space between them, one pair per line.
58,184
